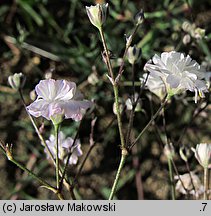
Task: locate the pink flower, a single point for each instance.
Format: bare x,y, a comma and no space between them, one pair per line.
65,147
58,98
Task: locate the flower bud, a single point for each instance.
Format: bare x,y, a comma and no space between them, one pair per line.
169,150
133,54
17,81
184,153
139,17
97,14
198,33
203,154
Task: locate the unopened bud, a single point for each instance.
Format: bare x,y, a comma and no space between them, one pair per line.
186,39
93,79
17,81
184,153
198,33
169,150
139,17
133,54
97,14
8,150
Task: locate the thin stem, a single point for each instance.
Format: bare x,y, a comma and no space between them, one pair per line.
114,187
108,62
206,183
138,177
39,179
150,122
126,50
119,121
191,178
171,179
56,128
36,128
82,164
66,182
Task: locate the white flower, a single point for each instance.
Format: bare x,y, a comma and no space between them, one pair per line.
65,147
58,98
178,73
155,85
203,154
186,180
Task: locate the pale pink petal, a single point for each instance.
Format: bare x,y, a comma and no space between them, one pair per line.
46,89
64,90
38,108
75,109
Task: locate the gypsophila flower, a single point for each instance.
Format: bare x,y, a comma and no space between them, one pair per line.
203,154
186,180
178,73
58,98
65,147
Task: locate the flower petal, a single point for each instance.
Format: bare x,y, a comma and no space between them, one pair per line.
173,80
75,109
38,108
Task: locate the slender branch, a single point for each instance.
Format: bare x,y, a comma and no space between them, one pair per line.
56,129
171,179
116,96
172,160
138,177
151,121
88,153
206,183
39,179
191,178
126,50
114,187
108,62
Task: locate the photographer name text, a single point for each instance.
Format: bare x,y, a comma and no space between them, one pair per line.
47,207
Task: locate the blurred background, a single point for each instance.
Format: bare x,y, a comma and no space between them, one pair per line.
54,38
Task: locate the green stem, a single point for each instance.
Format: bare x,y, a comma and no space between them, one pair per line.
39,179
150,122
119,121
114,187
171,179
110,70
126,49
206,183
116,96
56,129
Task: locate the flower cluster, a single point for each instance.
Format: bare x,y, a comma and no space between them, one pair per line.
58,98
65,147
177,73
